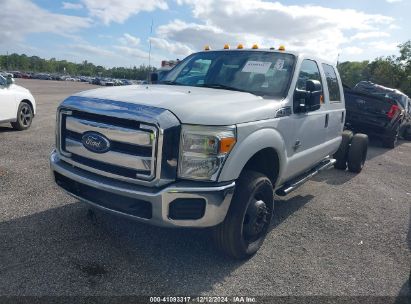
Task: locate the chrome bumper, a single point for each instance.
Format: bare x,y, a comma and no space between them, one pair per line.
217,198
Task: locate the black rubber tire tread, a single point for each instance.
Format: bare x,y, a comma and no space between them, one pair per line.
342,153
357,153
389,142
407,133
18,125
227,236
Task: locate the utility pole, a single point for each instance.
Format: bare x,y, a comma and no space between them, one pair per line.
338,60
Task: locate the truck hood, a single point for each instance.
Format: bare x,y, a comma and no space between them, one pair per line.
193,105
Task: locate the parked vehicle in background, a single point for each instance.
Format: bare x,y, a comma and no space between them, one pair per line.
17,105
210,145
379,112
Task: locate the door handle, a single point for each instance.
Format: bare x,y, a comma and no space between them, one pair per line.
327,117
297,144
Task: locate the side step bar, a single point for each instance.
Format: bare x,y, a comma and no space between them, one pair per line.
296,182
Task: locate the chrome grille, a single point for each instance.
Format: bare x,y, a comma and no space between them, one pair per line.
132,154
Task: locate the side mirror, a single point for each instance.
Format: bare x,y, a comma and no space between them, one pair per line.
154,77
316,90
309,99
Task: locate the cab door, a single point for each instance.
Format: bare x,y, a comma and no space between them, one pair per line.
335,102
7,102
308,130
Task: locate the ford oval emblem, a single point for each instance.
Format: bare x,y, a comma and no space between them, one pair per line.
95,142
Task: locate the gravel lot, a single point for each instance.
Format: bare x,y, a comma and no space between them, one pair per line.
339,234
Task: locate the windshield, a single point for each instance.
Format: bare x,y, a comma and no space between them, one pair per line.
260,73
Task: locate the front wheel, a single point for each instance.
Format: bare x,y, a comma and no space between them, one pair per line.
24,117
249,217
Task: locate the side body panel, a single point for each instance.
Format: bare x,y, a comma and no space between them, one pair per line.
8,104
301,140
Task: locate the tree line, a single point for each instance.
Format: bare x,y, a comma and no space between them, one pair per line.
391,71
24,63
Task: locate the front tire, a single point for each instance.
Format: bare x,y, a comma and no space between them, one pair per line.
245,227
24,117
357,154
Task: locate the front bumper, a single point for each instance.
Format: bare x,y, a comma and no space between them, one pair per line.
108,194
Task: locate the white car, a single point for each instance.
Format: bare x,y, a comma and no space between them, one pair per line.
17,105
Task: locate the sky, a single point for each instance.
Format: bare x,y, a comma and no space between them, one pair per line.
120,32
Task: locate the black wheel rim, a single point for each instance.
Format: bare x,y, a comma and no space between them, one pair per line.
256,219
25,115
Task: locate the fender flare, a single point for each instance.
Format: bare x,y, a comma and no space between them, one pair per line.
248,147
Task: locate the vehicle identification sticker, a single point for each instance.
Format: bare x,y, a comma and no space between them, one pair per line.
259,67
279,64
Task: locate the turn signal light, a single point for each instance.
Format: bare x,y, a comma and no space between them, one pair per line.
281,48
240,46
226,144
226,46
207,48
255,46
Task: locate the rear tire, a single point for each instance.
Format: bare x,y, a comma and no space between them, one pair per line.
245,227
342,153
24,117
407,133
391,140
357,153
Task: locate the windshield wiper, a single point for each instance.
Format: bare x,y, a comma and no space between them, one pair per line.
221,86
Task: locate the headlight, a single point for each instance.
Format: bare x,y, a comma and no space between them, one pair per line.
203,151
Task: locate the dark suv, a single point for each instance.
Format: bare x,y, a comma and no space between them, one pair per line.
378,111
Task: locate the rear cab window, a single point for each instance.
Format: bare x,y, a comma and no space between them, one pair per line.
332,83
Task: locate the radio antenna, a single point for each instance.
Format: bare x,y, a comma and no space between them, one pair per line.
149,40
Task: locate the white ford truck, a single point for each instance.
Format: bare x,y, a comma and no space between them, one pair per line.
17,105
210,145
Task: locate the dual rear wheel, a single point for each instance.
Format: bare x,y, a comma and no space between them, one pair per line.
352,152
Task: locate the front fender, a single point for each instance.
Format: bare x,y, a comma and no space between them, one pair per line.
248,145
20,96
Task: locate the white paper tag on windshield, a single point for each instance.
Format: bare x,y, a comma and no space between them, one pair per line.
258,67
279,64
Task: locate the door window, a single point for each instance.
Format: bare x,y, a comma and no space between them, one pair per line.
332,83
309,71
2,81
